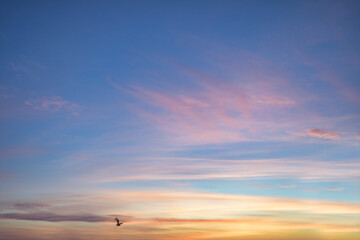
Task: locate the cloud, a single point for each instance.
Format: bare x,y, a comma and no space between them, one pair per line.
192,169
334,189
241,97
267,227
27,68
195,119
322,133
288,186
338,81
178,220
29,205
53,104
170,206
183,213
275,100
18,67
175,203
217,109
51,217
260,186
268,221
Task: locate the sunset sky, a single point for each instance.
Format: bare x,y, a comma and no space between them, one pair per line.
188,120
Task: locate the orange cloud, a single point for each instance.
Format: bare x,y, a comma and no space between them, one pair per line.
322,133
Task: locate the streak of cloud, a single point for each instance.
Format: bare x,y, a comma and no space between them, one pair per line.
357,136
214,110
192,169
334,189
53,104
29,205
288,186
51,217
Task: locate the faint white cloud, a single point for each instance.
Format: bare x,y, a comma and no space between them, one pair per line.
53,104
3,93
195,169
26,66
260,186
288,186
275,100
24,69
334,189
18,68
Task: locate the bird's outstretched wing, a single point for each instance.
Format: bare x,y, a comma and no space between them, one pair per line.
118,223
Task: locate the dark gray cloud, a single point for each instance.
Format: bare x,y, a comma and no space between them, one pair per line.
52,217
29,205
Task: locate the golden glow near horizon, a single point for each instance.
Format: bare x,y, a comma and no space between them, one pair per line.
167,214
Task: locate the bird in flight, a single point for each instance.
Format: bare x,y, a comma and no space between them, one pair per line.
118,222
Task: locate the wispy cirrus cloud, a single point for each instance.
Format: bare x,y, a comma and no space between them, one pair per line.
213,110
53,104
192,169
337,80
26,67
240,106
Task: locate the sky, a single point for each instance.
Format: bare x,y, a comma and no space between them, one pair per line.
198,120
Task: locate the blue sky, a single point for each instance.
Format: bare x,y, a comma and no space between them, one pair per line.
252,105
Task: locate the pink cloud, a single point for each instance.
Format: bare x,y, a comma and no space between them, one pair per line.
252,99
322,133
213,111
